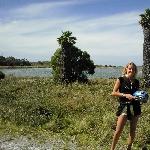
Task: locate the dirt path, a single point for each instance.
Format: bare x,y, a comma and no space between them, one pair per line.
23,143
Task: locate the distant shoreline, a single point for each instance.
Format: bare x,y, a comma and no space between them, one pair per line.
20,67
45,66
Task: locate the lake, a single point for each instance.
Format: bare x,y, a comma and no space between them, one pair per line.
106,72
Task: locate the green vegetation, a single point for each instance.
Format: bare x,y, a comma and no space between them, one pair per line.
2,75
41,64
102,66
145,19
83,113
145,23
69,63
11,61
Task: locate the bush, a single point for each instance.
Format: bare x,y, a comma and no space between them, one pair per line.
2,75
69,63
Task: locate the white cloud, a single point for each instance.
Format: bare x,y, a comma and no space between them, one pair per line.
112,36
37,9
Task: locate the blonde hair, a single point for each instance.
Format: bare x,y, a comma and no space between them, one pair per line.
124,72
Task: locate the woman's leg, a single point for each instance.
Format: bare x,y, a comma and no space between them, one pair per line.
122,119
133,124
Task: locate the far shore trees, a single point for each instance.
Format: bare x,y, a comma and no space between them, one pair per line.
145,23
11,61
69,63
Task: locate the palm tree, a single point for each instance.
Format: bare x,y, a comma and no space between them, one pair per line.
145,23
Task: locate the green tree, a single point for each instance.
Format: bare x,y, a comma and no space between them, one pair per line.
145,23
2,61
69,63
10,61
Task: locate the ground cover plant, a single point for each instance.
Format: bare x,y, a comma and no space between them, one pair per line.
81,113
2,75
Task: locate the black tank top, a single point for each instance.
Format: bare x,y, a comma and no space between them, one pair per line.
127,87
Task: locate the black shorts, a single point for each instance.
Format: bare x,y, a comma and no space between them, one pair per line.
134,106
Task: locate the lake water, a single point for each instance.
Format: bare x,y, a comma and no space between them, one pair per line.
106,72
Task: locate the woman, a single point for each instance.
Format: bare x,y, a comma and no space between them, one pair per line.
129,109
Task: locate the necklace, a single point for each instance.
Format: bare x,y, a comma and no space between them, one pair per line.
130,81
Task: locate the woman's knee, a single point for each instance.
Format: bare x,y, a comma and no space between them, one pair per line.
118,130
117,134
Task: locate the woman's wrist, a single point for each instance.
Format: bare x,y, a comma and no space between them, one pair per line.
123,95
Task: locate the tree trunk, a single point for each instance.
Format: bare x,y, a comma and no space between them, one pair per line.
62,68
66,64
146,56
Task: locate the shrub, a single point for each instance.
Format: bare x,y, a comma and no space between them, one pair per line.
69,63
2,75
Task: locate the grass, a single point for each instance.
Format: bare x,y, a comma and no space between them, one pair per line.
82,113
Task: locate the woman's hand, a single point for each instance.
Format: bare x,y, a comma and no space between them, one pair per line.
129,97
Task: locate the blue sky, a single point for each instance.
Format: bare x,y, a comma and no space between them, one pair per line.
107,29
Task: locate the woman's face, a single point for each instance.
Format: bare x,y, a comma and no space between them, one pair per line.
130,70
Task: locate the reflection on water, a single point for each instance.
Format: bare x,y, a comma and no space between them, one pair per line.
107,72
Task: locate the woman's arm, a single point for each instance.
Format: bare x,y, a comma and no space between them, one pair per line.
116,90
